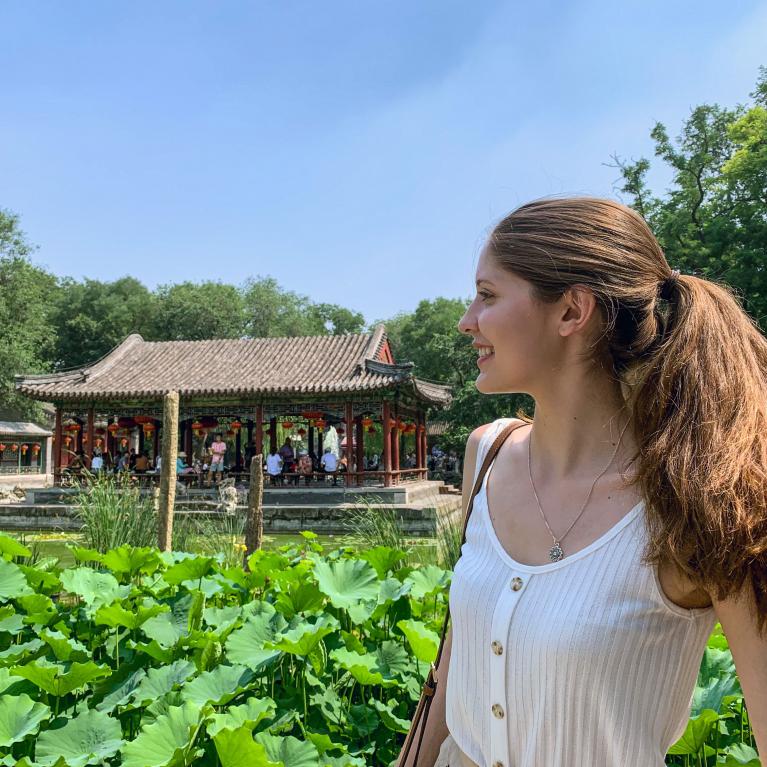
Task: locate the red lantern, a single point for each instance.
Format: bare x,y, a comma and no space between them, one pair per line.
14,447
85,438
302,432
320,423
124,442
287,424
24,449
141,419
367,421
67,441
235,425
149,428
392,423
35,449
2,447
371,429
99,442
73,427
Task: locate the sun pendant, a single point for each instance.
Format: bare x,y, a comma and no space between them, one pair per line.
556,553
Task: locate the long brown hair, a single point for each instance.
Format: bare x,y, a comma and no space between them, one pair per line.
693,370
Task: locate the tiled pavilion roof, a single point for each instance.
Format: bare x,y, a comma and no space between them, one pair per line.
302,365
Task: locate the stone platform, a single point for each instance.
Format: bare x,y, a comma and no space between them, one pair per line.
422,507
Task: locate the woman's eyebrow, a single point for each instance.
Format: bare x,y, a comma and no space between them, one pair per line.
484,280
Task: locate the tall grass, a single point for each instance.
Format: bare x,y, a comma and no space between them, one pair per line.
113,512
370,525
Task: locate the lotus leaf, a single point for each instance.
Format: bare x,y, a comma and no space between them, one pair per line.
428,580
130,560
82,554
423,641
123,693
248,715
13,583
388,717
192,568
291,751
116,615
168,741
15,652
38,608
10,547
218,686
59,679
347,582
158,681
89,738
221,618
208,586
95,588
10,621
236,748
384,559
695,734
19,716
304,638
64,647
246,645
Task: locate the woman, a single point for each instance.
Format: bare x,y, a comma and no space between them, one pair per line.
615,529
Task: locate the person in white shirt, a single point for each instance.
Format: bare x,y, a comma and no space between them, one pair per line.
274,466
97,463
329,464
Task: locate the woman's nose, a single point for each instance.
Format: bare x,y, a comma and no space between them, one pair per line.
466,323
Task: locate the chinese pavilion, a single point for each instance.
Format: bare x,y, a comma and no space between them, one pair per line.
248,390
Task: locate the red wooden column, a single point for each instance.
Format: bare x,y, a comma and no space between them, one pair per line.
259,429
395,451
272,433
188,441
418,455
59,432
349,426
386,416
424,448
91,434
360,436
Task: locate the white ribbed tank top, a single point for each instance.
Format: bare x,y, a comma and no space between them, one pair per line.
578,663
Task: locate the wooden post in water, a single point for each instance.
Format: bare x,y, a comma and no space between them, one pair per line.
254,527
168,471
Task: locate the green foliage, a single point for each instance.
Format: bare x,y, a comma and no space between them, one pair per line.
114,513
26,332
299,661
712,220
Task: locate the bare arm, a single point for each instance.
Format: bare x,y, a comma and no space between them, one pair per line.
436,728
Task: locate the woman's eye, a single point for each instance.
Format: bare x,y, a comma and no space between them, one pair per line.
484,295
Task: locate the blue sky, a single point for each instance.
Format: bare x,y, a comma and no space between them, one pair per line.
357,152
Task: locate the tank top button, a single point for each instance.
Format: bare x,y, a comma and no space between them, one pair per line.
497,647
516,584
497,711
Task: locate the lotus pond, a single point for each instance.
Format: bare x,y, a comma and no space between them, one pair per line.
309,657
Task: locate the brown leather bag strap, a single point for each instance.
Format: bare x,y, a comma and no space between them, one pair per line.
430,685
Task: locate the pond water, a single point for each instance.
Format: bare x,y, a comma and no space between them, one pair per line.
56,544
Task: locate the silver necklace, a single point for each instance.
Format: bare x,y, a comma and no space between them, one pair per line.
555,552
